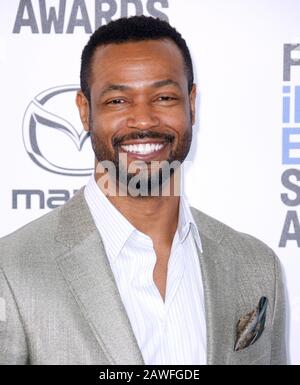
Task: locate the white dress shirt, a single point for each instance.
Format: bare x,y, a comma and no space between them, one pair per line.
167,332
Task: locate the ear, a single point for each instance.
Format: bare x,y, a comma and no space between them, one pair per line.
84,109
192,97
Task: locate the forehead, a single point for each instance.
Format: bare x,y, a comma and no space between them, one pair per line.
137,61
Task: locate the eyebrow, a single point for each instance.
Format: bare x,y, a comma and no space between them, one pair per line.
166,82
122,87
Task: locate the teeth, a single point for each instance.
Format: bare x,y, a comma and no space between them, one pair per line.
143,149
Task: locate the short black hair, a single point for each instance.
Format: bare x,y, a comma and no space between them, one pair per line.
132,29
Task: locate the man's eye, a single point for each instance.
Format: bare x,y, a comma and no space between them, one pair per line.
166,98
116,101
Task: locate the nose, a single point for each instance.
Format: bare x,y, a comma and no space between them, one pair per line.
142,117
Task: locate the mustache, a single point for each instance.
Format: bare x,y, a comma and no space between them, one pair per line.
143,135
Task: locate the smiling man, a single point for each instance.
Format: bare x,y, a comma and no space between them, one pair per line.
126,272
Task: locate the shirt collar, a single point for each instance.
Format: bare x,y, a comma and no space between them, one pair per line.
186,223
115,229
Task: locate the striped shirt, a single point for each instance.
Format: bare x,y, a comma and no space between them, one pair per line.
167,332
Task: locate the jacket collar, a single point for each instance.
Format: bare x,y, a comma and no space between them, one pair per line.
87,272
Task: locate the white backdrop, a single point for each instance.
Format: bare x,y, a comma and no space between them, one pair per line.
246,120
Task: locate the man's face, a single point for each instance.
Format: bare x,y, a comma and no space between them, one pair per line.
140,106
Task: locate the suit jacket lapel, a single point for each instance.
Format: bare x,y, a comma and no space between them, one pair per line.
87,272
219,281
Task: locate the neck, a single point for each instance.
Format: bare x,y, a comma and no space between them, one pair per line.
155,216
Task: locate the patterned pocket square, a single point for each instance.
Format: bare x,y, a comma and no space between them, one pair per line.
250,327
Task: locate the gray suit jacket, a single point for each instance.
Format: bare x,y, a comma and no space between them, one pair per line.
62,305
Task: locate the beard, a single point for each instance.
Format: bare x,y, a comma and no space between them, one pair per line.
149,179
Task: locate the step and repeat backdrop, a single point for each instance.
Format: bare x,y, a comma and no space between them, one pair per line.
245,157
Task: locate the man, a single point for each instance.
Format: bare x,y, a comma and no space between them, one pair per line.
126,273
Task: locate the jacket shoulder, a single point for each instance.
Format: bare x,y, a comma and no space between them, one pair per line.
225,235
50,234
33,236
